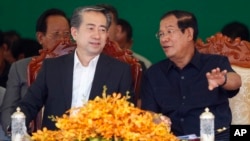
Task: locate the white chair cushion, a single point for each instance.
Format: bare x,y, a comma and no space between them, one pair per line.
240,104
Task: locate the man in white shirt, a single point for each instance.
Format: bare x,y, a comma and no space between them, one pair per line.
79,75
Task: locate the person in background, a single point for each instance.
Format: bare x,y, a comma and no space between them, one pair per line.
236,29
2,89
124,38
24,48
52,27
114,19
71,80
3,77
186,82
4,65
115,29
9,38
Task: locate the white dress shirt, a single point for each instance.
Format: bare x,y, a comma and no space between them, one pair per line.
82,81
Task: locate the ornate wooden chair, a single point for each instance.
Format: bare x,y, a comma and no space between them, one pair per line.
114,50
60,49
111,49
238,53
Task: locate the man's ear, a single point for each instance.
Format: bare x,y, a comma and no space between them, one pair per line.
74,33
5,47
190,33
130,44
119,28
39,37
118,31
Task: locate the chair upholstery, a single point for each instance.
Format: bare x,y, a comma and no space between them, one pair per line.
111,49
238,53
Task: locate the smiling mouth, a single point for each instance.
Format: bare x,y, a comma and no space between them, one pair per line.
165,47
95,43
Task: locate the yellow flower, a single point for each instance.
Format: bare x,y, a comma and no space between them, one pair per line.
106,118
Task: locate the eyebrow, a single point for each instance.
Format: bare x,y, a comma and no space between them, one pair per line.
169,26
90,24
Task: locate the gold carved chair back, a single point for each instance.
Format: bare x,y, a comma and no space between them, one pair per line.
238,53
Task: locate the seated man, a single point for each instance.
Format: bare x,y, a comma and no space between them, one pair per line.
187,81
71,80
52,26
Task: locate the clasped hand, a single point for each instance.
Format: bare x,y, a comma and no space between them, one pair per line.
159,118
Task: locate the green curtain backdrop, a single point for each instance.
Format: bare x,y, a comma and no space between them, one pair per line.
142,14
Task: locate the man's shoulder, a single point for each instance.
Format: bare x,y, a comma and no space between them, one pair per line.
23,61
61,58
211,55
112,60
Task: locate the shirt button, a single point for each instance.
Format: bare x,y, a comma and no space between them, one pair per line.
182,119
184,97
182,77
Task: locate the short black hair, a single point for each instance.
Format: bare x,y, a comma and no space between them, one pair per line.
185,20
112,10
236,29
10,36
26,46
76,18
41,24
126,27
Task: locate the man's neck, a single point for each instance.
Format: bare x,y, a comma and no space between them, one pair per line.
182,61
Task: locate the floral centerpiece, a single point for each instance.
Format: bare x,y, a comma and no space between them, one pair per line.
110,118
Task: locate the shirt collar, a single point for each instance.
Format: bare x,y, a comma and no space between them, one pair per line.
77,61
195,61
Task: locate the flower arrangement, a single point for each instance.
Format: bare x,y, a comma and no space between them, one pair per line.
110,118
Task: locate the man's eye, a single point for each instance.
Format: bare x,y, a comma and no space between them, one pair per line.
66,33
103,30
170,31
90,28
161,34
56,33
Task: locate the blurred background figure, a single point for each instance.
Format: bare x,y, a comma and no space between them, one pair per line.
3,76
236,29
124,37
114,19
52,27
4,65
9,38
24,48
115,31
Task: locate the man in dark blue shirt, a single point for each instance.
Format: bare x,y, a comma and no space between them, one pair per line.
183,85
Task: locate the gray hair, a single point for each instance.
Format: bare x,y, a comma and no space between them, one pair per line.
76,18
